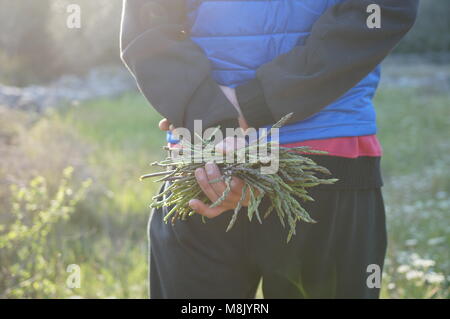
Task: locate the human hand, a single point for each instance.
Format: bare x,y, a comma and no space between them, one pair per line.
164,125
213,191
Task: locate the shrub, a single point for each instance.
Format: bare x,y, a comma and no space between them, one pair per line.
430,33
27,250
24,41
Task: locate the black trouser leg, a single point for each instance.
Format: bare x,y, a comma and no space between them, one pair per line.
328,259
192,259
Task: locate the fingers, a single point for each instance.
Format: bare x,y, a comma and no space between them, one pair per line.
230,144
243,123
237,185
213,172
164,125
203,182
214,190
205,210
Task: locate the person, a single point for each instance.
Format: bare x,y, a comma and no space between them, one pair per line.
248,63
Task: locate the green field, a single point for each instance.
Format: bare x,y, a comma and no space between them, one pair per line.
111,142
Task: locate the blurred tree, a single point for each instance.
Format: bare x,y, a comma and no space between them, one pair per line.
36,45
25,46
96,42
431,32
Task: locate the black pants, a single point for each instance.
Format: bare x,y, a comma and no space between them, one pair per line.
328,259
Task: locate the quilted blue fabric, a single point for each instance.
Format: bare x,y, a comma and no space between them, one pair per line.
239,36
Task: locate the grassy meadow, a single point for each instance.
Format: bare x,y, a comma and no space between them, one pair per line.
95,214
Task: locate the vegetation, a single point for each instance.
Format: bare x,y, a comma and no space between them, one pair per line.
295,175
105,234
34,33
102,228
27,245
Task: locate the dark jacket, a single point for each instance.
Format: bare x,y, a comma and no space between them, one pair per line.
175,76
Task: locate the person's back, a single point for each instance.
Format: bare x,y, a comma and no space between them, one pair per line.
315,58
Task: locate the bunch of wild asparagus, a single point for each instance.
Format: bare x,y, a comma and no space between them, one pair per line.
285,189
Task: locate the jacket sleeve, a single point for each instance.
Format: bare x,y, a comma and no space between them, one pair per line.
171,71
340,51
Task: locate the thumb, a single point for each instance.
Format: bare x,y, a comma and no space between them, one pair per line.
164,125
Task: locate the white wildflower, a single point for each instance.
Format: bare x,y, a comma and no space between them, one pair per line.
425,263
414,256
414,274
391,286
403,268
434,278
411,242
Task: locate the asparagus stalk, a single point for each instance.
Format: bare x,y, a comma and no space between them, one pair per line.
286,189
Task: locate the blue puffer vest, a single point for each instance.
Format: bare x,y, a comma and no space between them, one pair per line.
239,36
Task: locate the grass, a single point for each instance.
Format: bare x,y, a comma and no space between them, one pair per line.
124,140
106,234
413,129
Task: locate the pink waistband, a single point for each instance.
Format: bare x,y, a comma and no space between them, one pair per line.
351,147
